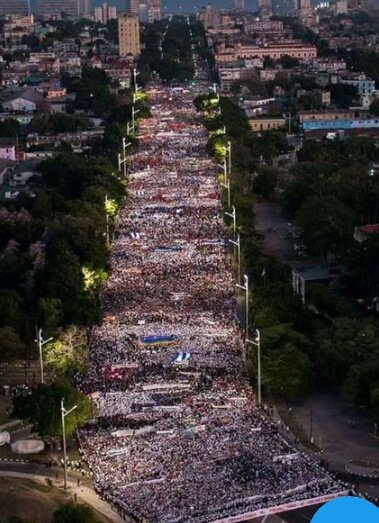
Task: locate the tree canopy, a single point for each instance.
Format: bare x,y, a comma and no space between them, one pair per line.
42,408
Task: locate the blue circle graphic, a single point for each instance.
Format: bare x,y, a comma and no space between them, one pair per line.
348,509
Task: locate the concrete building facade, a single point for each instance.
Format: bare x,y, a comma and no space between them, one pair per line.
129,35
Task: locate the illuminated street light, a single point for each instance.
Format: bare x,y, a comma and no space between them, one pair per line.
246,289
233,215
135,74
257,344
237,244
41,342
65,413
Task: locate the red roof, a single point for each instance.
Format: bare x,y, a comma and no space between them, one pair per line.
370,229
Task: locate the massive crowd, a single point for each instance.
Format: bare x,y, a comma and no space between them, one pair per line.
178,437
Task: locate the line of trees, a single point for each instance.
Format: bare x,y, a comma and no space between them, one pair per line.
54,259
329,192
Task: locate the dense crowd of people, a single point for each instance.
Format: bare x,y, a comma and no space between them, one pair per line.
178,437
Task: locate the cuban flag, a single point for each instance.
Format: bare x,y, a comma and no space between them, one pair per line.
181,357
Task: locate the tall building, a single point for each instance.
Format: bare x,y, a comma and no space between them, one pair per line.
55,8
14,7
154,8
209,16
147,10
143,13
84,8
132,6
239,5
128,35
105,12
302,5
265,4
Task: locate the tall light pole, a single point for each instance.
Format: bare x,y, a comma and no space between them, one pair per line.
226,185
121,162
134,112
246,289
223,167
65,413
41,342
237,244
257,344
124,146
135,74
230,157
106,221
233,216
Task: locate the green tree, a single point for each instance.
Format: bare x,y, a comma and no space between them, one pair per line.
70,513
42,408
69,352
374,107
288,61
265,182
50,312
9,128
288,372
11,347
11,304
343,94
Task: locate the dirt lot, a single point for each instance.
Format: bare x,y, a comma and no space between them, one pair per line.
30,501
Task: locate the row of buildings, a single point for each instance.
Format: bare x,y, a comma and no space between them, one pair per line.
146,10
46,8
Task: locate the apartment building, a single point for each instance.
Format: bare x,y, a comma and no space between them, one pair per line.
105,12
129,35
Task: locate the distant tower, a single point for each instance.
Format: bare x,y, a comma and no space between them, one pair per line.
304,4
265,4
128,35
239,5
132,7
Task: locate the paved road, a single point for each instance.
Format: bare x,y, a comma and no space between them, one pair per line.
334,423
41,473
273,225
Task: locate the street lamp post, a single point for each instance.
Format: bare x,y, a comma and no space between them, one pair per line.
134,112
65,413
135,74
124,146
237,244
106,221
246,289
227,187
257,344
230,157
233,216
223,167
41,342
